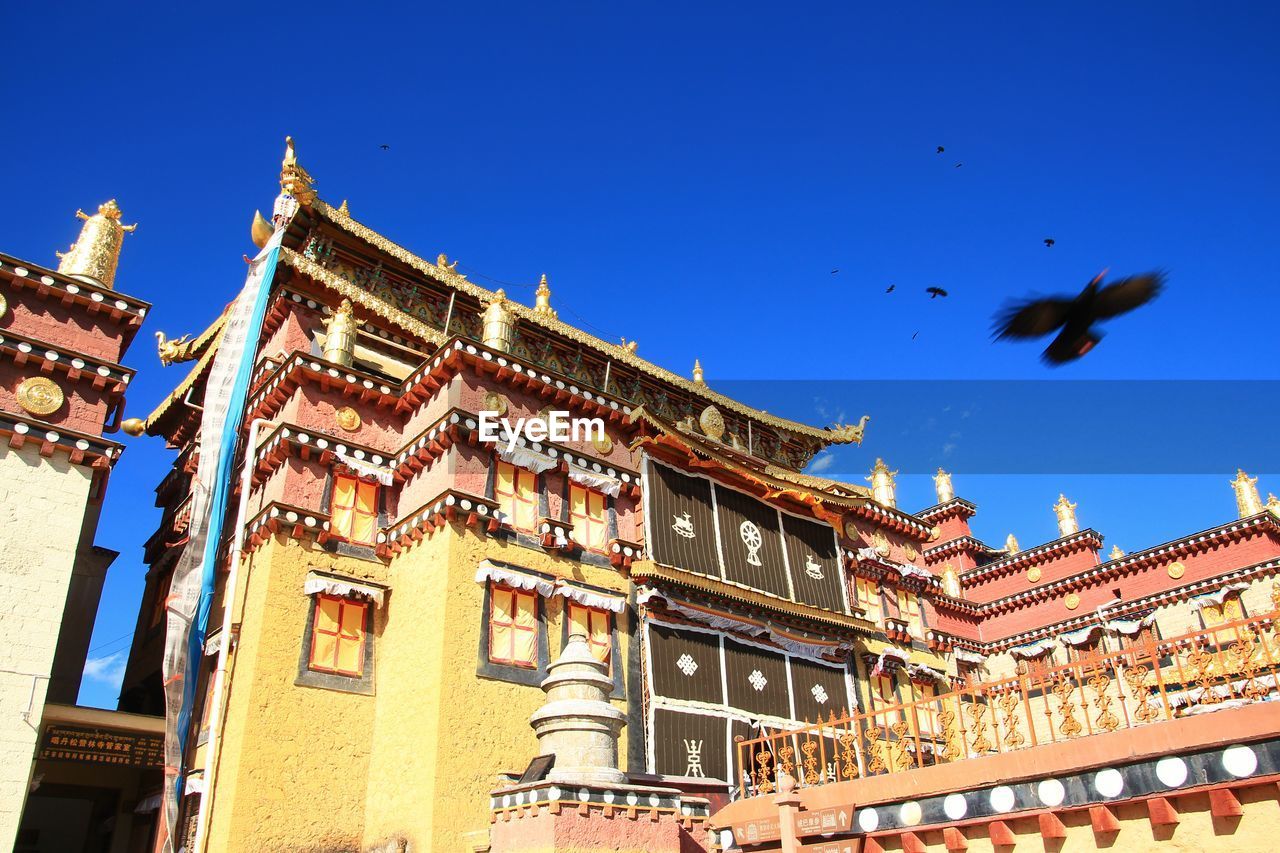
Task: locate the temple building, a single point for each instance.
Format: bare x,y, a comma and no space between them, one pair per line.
76,771
406,585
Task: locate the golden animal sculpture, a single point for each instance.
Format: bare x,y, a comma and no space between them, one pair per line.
173,351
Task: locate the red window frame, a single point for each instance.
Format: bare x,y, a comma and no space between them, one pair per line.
496,622
358,520
319,630
594,530
594,616
521,500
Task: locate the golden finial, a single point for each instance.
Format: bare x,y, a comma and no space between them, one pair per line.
343,209
697,373
340,335
629,346
1273,504
883,489
1116,553
260,230
942,484
1248,502
542,299
1011,544
133,426
499,325
94,255
1066,512
295,181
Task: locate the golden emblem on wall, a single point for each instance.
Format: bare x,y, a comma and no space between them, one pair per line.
1072,601
40,396
1177,570
880,542
851,530
603,443
4,305
712,423
934,532
909,551
495,403
347,418
1033,574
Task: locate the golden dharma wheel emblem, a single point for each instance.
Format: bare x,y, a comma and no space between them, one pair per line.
603,443
1033,574
712,423
934,532
1072,601
40,396
851,530
909,551
495,403
347,418
1177,570
4,305
880,542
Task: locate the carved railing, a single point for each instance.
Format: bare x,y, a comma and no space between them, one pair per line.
1225,666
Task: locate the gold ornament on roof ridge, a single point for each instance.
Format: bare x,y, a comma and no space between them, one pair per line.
1248,501
542,299
1273,502
94,255
942,485
295,180
343,209
499,323
698,375
40,395
712,423
883,489
172,351
1116,553
442,261
260,230
1066,512
1011,544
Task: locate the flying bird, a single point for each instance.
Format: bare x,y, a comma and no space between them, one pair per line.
385,147
935,292
1076,315
833,272
913,337
891,288
941,149
1048,241
958,165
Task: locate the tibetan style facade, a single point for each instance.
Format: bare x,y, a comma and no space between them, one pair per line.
406,585
69,776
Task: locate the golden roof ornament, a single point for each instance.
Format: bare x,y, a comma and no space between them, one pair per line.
1116,553
629,346
133,426
942,485
260,230
1011,544
1066,512
1248,501
849,433
499,324
172,351
883,489
698,376
295,183
712,423
542,299
1273,504
96,252
340,335
343,209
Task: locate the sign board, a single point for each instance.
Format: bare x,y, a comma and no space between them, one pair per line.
757,831
824,821
847,846
819,822
101,746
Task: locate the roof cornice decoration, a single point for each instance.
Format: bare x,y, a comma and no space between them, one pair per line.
1074,542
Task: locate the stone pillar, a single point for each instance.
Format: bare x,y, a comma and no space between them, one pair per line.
577,724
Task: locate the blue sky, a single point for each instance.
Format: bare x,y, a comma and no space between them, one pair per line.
689,177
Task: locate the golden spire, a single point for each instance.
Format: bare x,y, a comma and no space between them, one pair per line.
1273,504
499,325
942,485
1116,553
93,257
1011,544
697,373
1248,502
295,181
340,335
883,489
542,299
1066,512
343,209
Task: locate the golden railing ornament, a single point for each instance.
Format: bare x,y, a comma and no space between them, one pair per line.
953,749
1202,672
809,748
1063,689
1141,693
875,755
977,725
1107,721
848,755
1009,705
901,756
764,780
785,764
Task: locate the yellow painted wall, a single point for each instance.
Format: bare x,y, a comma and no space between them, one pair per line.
42,504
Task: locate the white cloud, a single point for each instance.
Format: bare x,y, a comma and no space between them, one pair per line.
107,670
948,448
822,463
